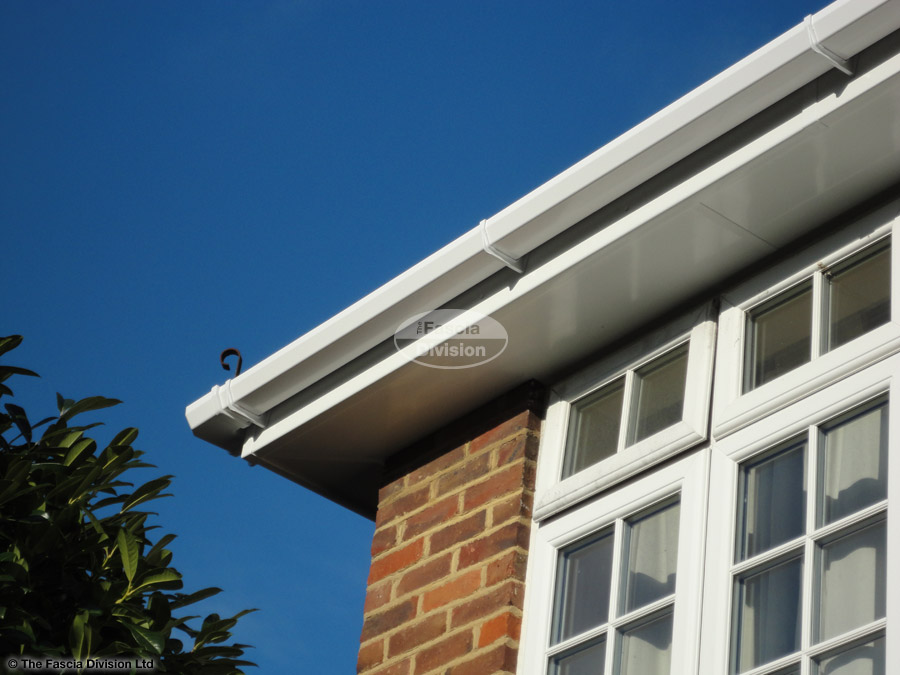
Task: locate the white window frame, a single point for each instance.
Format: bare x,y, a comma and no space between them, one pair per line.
554,493
687,478
734,409
727,454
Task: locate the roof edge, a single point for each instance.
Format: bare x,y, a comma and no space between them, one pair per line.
783,65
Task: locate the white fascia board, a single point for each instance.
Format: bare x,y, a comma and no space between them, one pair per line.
724,102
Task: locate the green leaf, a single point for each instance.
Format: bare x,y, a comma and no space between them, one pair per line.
184,600
168,577
69,437
86,405
147,491
79,635
147,639
42,422
6,371
91,476
20,419
125,437
98,528
128,549
158,547
78,449
9,343
17,471
109,501
62,403
161,611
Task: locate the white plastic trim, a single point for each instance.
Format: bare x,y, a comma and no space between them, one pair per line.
840,63
490,249
234,409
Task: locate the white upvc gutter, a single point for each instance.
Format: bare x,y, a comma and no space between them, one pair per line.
840,31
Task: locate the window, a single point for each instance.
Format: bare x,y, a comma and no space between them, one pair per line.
855,299
639,598
807,322
619,579
608,419
636,407
799,544
818,503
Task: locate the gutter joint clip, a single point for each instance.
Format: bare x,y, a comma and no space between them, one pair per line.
838,62
490,249
235,410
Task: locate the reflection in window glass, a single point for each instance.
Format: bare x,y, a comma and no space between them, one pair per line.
855,456
594,428
859,297
659,394
583,585
647,648
852,578
651,556
774,501
866,659
586,661
767,614
779,336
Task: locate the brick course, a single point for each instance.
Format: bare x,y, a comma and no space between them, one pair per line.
449,553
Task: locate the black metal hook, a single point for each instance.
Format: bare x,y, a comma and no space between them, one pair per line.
231,351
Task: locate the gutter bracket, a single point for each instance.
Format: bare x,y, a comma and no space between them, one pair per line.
838,62
489,248
235,410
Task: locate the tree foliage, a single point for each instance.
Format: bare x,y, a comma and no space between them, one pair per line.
80,576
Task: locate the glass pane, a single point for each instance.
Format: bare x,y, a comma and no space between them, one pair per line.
582,587
586,661
774,501
652,551
855,456
867,659
768,613
859,297
594,429
659,394
647,649
853,579
779,336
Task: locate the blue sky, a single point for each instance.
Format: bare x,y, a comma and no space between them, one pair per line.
181,177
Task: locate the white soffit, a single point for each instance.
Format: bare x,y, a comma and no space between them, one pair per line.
330,435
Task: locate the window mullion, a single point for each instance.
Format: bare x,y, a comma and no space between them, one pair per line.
612,637
627,407
809,566
819,316
810,561
806,666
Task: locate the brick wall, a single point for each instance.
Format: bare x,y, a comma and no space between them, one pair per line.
446,583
